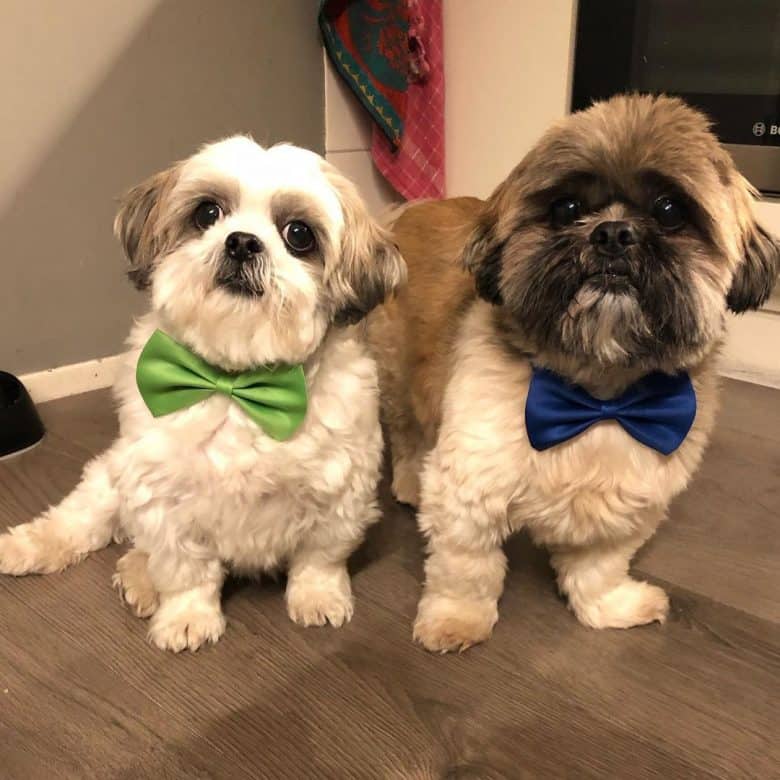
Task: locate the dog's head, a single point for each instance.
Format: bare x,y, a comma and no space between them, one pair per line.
251,254
622,237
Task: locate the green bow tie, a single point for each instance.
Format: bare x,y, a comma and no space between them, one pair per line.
170,378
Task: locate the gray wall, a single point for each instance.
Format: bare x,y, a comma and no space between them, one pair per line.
94,96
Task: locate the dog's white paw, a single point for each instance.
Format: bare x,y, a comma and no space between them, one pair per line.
17,554
134,585
315,602
27,549
175,628
631,603
446,624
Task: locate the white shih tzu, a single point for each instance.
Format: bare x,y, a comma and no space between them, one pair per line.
249,434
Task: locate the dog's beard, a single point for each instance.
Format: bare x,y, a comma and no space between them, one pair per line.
237,328
274,291
604,321
248,280
639,309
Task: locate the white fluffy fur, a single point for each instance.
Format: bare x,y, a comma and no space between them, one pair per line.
592,500
205,488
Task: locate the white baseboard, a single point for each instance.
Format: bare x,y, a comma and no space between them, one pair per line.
752,349
76,378
752,376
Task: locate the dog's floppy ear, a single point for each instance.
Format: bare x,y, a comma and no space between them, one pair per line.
757,274
369,267
134,225
483,253
482,257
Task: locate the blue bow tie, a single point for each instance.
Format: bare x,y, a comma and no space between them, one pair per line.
658,410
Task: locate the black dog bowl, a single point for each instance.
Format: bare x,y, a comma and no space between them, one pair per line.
20,425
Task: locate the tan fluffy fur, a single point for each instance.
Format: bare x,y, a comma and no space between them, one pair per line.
415,340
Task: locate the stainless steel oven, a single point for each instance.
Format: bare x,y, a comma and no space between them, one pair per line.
720,55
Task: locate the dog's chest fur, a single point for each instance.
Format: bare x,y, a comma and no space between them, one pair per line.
602,484
225,484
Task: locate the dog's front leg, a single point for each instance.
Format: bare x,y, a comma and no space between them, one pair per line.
188,581
601,593
464,572
318,586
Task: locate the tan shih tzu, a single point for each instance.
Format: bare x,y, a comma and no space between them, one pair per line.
249,421
565,382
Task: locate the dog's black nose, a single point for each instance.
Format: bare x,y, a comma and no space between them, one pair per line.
613,238
243,247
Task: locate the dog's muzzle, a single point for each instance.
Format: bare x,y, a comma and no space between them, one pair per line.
609,267
243,247
239,269
612,239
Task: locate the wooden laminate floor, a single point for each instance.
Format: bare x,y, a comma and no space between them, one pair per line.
82,695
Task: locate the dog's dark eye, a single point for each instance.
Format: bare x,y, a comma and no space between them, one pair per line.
669,213
298,236
206,214
564,211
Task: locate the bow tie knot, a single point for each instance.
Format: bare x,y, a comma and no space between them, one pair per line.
657,411
224,384
170,377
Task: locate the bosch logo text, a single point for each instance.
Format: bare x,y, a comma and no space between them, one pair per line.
759,129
